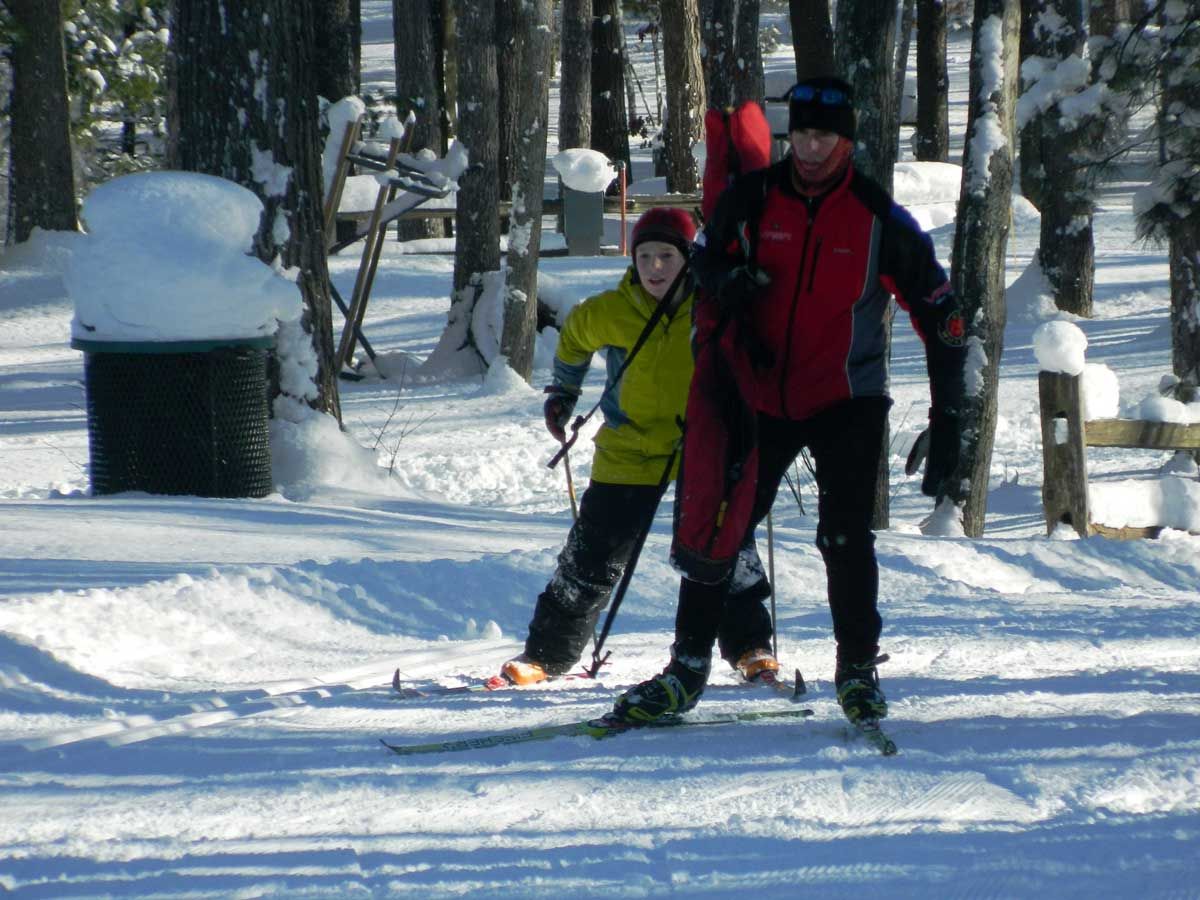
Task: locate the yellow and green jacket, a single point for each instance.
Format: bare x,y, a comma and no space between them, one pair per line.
640,428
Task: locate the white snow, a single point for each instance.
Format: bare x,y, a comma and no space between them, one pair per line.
584,170
192,691
1059,347
339,116
166,257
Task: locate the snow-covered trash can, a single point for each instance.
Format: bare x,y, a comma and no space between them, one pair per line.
585,175
178,418
176,321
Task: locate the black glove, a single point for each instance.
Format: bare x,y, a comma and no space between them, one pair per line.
557,409
741,287
941,441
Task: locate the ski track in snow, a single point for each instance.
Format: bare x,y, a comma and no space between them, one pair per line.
192,691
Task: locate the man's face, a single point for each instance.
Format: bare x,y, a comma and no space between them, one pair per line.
813,146
657,265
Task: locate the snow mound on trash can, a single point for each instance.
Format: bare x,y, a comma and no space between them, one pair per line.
166,257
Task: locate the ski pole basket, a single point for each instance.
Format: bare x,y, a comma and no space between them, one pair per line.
182,417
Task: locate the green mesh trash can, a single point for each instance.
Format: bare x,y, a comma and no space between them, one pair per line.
184,417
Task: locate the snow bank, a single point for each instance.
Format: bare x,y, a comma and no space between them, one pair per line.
166,258
1172,502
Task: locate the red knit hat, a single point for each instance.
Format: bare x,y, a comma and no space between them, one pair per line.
665,223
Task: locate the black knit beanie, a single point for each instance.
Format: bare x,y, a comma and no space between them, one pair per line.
823,103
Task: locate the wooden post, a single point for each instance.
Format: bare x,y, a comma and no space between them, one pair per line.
1064,460
339,179
358,300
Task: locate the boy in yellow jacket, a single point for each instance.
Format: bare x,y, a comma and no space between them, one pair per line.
633,446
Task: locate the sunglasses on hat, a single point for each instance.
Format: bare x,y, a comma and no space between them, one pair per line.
826,96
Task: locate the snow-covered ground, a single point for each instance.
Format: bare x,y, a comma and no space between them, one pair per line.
192,691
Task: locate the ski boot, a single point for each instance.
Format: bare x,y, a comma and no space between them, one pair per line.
858,691
666,696
522,670
757,665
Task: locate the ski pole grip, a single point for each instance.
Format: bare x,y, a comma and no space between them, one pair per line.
562,451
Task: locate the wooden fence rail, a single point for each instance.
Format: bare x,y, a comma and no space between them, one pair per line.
1065,439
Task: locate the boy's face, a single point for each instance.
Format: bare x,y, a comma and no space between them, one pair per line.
657,265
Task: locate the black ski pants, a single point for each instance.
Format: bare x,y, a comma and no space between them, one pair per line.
844,442
598,547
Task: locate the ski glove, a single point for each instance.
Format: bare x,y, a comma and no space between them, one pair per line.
938,445
741,287
557,409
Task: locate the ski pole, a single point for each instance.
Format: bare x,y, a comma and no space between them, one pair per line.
570,488
771,578
627,575
621,181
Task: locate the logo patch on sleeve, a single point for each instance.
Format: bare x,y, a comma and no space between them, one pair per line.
953,330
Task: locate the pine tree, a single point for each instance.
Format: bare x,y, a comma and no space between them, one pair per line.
610,118
812,37
980,240
42,181
417,32
933,83
533,24
685,93
575,89
244,107
1169,210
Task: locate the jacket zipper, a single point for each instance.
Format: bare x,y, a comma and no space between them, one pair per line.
787,346
812,272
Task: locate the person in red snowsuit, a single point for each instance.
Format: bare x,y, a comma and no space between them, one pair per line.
797,267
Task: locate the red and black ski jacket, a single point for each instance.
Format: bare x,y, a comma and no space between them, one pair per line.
814,337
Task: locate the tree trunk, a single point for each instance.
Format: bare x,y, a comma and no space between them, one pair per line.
866,32
575,91
1179,192
244,107
1033,175
812,38
476,219
933,84
1066,250
356,43
450,73
731,58
534,28
509,47
6,209
333,60
1185,303
980,242
610,119
41,174
418,42
903,45
748,72
1105,15
719,18
685,93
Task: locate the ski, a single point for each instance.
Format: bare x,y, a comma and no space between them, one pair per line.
602,727
793,691
495,683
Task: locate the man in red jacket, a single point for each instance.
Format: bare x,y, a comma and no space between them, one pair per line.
797,265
